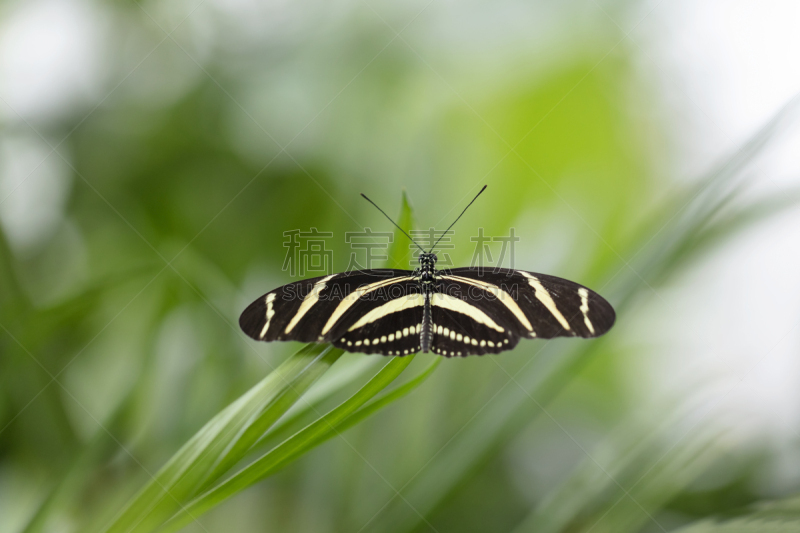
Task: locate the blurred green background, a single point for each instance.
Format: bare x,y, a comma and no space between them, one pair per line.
153,154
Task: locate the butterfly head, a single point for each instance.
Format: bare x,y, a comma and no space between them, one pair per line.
427,259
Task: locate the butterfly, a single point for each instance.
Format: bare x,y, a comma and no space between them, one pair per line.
451,312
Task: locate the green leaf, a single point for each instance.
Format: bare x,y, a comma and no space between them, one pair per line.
348,370
314,434
378,404
781,516
745,525
224,440
623,482
399,251
72,481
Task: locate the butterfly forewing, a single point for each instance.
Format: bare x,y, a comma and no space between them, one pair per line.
316,309
542,306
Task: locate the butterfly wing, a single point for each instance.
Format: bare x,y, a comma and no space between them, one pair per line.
473,311
465,327
388,321
503,305
318,309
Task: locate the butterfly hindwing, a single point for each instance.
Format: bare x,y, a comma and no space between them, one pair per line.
458,334
391,328
542,306
313,310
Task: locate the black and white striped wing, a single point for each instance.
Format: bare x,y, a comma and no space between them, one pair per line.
389,324
477,311
464,326
348,310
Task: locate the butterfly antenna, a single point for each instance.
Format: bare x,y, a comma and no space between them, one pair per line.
393,222
459,216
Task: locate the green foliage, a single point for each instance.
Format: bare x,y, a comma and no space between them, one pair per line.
224,440
130,400
343,416
193,480
768,517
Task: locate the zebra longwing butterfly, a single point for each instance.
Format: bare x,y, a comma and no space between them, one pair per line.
454,312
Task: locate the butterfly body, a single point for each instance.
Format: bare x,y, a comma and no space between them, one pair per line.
455,312
427,281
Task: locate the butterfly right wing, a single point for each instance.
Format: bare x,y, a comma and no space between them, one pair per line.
479,311
313,310
472,320
541,306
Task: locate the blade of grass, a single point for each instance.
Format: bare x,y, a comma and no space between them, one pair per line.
399,252
312,435
75,476
388,398
747,216
281,429
672,473
339,378
780,516
630,444
625,481
223,438
685,214
745,525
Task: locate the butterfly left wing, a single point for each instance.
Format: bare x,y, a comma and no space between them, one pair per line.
313,310
388,322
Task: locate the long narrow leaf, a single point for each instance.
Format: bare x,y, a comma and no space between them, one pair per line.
340,377
781,516
379,403
297,445
216,442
